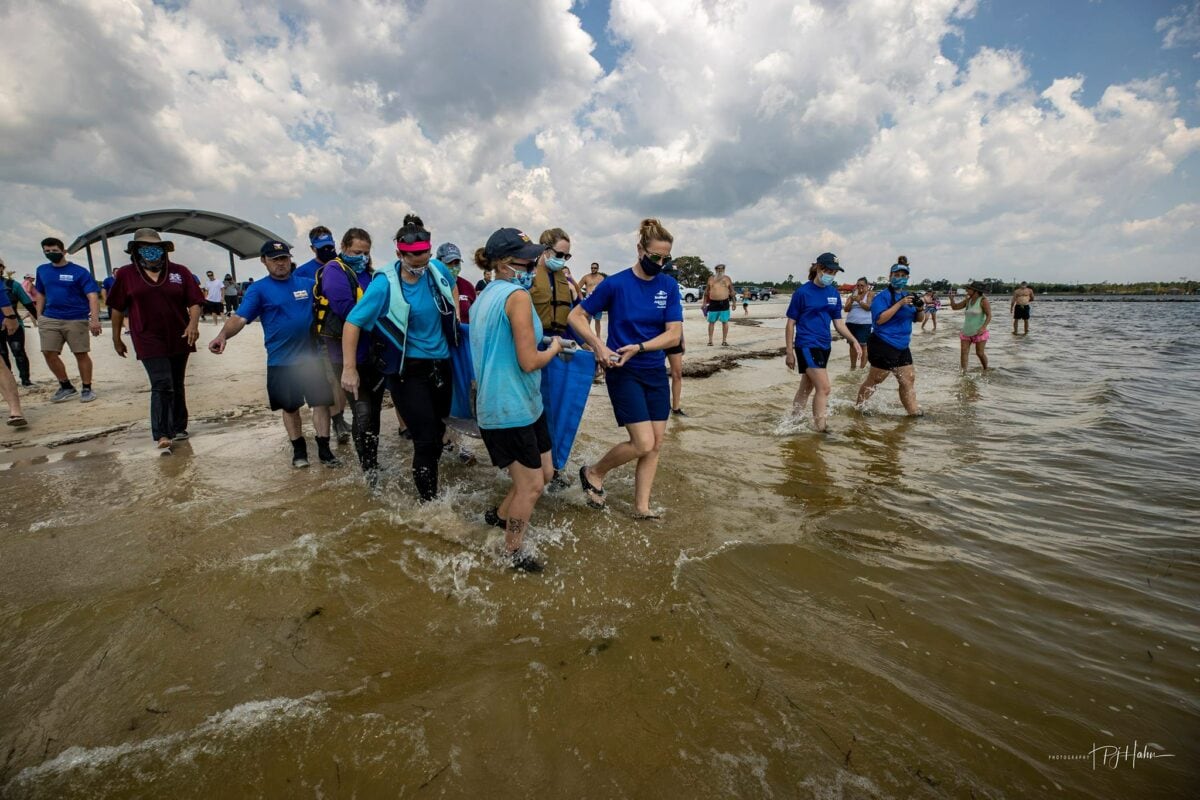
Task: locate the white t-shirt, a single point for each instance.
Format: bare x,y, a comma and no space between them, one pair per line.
216,289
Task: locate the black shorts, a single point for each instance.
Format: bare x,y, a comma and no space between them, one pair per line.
678,349
813,357
1020,312
213,308
882,355
523,445
292,385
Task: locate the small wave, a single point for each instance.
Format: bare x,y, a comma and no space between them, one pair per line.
236,722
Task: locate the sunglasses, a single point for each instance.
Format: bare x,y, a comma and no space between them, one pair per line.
528,266
657,259
413,238
559,254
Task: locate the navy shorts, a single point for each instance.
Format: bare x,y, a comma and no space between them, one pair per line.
525,445
813,357
292,385
882,355
639,396
860,331
1020,312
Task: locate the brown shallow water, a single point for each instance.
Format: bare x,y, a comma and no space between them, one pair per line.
933,607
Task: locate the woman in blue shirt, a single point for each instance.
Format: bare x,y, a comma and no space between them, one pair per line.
505,331
813,306
893,312
409,308
645,318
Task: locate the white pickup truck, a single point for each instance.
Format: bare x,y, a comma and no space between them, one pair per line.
691,295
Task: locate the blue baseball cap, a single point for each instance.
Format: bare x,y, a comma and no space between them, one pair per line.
899,268
512,242
324,240
829,261
274,250
448,252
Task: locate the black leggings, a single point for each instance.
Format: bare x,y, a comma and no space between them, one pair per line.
366,405
422,394
15,342
231,303
168,405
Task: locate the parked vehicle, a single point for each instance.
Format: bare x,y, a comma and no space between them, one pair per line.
690,294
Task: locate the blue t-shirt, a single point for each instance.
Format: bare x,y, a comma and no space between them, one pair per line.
107,283
638,311
5,301
508,396
813,307
66,289
897,331
286,310
424,337
308,269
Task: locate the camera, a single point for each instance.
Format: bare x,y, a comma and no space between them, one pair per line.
917,302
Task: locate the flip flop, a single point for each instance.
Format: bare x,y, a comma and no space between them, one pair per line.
589,490
17,421
647,517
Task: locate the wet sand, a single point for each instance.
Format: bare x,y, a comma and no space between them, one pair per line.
960,605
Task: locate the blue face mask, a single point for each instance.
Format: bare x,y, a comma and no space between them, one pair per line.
827,280
523,279
357,263
899,282
555,264
152,254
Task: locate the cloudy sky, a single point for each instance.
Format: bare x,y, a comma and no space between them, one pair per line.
1007,138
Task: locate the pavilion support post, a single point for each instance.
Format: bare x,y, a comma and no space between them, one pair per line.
107,256
232,267
91,262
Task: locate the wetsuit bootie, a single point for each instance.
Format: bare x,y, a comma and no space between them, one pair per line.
325,454
299,453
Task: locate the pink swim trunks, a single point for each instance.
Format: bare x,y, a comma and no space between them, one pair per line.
982,336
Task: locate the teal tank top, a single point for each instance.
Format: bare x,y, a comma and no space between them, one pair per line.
506,396
973,317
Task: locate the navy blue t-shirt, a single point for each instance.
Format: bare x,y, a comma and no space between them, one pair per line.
638,311
66,289
286,310
813,307
897,331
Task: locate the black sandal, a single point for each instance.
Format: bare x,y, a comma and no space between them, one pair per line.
589,490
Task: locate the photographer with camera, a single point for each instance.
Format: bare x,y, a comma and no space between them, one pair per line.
893,313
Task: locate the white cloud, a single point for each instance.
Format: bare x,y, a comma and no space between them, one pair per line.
762,133
1181,27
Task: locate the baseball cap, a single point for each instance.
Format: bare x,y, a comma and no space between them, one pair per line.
511,242
899,268
324,240
448,252
829,261
273,249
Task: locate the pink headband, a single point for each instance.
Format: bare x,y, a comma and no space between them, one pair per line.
415,247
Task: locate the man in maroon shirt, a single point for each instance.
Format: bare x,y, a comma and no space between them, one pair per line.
162,301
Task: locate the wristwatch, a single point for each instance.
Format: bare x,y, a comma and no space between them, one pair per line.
641,347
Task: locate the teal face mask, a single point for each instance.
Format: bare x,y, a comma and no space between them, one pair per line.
828,280
357,263
899,282
555,264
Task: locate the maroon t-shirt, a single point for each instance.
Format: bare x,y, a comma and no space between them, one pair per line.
466,296
157,311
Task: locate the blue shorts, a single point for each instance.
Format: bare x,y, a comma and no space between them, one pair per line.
860,331
718,316
813,357
599,315
639,396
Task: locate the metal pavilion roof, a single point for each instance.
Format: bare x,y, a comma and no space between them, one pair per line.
239,237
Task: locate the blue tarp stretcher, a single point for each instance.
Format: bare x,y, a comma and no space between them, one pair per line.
565,388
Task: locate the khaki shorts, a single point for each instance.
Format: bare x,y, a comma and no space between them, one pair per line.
55,333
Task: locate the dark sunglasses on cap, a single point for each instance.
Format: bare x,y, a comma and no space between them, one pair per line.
558,254
528,266
657,259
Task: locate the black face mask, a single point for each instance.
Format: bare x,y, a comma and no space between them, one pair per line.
326,253
54,257
649,267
